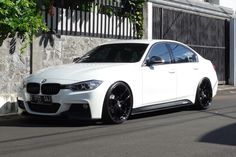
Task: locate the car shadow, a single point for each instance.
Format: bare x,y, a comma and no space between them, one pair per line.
28,121
21,121
225,136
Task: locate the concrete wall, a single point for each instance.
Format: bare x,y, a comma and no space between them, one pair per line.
13,68
212,1
64,49
232,77
229,4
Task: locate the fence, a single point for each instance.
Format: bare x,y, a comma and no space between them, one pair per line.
207,35
94,18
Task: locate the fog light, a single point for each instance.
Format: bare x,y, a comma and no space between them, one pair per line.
85,106
20,104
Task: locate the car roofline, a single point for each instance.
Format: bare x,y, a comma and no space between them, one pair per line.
139,41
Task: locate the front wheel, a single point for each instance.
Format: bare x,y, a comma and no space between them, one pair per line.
204,95
118,103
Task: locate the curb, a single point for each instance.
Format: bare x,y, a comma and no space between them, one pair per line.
8,115
9,108
227,88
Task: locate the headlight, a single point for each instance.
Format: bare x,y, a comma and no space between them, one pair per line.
84,86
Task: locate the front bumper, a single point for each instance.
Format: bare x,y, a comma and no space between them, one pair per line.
82,105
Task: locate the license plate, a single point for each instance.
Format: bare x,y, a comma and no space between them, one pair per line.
41,99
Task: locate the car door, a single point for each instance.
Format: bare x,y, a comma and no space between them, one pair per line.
159,80
187,68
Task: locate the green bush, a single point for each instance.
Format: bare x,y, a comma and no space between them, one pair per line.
20,18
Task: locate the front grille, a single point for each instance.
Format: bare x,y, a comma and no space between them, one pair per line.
50,88
33,88
41,108
47,88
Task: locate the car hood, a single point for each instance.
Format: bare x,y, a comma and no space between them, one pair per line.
80,71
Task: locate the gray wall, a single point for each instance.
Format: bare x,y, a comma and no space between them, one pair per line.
13,68
232,78
64,49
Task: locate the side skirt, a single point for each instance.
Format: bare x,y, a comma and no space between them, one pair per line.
159,107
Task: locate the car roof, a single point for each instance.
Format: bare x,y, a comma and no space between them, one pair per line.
139,41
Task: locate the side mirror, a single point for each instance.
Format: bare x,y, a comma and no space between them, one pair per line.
155,60
76,59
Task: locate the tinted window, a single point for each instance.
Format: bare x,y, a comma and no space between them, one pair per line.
160,50
115,53
182,54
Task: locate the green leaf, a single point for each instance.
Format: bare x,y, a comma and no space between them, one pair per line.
21,17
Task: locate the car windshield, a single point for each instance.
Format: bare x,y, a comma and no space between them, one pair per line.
115,53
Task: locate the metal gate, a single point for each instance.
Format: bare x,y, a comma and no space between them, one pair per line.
209,36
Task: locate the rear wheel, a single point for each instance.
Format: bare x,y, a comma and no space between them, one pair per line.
204,95
118,103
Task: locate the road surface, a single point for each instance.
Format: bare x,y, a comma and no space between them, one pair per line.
180,132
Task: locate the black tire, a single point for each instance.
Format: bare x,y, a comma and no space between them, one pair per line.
203,95
118,103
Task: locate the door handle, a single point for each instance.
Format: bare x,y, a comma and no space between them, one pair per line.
195,68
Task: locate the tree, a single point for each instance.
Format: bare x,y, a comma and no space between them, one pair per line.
20,19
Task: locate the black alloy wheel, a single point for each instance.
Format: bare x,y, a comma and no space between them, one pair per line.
118,103
204,95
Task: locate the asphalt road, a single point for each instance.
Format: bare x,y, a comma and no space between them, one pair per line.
174,133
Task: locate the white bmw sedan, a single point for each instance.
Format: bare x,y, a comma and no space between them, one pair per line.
117,79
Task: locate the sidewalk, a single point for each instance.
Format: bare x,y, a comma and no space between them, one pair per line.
11,107
226,87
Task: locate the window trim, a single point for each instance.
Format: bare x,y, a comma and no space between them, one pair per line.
149,51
